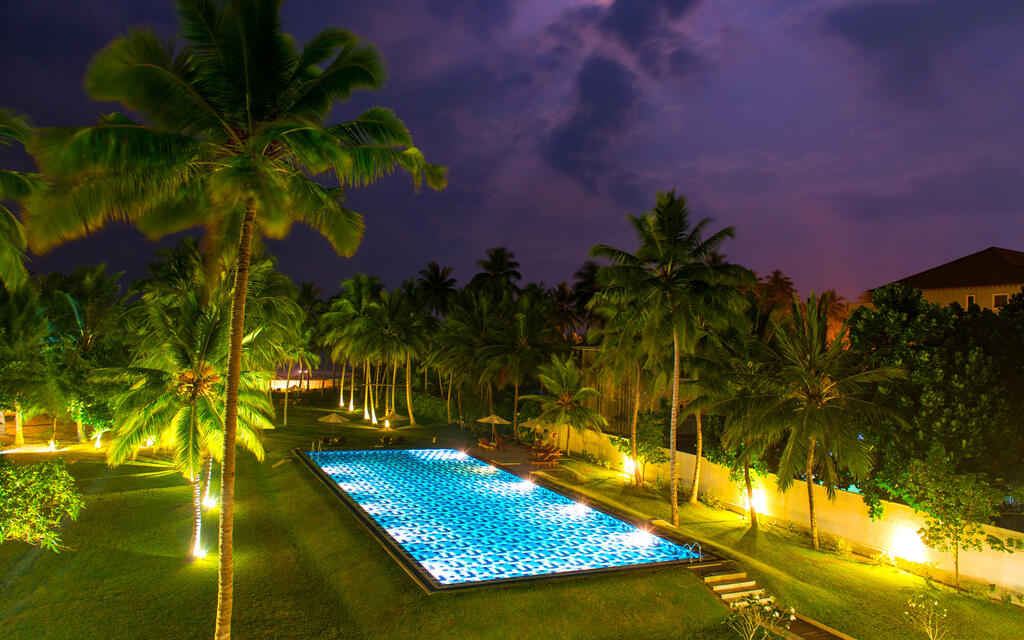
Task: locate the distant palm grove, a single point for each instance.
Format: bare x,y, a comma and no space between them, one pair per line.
658,339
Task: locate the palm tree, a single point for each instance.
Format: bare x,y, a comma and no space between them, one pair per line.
584,289
809,397
174,395
517,351
237,138
14,185
342,322
498,271
562,403
565,314
437,287
684,296
23,335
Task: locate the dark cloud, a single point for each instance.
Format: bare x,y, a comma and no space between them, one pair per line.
606,91
983,188
907,40
484,16
634,22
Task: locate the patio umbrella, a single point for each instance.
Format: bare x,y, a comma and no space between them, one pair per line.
391,417
493,420
333,417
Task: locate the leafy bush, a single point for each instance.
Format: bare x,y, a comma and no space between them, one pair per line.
34,498
426,408
753,619
835,544
711,499
924,614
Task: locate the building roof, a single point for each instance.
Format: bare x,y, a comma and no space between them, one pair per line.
989,267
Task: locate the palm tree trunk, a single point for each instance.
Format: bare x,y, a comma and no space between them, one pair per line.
19,425
366,390
341,386
448,402
287,383
197,515
956,563
394,377
226,574
440,384
408,389
810,495
637,472
53,430
673,416
352,390
568,433
696,462
3,422
515,411
750,495
80,428
207,474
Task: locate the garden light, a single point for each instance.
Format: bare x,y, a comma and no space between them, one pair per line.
210,502
906,544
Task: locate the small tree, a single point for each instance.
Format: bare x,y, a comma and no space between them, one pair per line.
650,447
757,619
34,499
924,614
955,506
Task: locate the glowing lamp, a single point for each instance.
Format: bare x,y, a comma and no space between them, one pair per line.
209,502
907,544
52,446
760,501
628,467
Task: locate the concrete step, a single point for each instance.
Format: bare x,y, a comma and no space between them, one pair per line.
725,576
731,586
739,594
704,564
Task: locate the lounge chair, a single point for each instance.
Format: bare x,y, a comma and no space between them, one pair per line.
484,443
500,443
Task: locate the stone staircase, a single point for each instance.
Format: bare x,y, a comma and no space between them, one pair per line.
727,581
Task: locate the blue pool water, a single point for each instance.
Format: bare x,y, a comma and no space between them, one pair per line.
463,520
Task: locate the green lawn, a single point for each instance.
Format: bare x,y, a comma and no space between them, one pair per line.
304,569
859,597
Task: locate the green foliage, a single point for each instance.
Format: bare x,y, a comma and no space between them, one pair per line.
754,620
650,441
34,499
924,615
955,505
960,392
429,409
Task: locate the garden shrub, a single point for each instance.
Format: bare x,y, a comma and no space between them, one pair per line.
34,499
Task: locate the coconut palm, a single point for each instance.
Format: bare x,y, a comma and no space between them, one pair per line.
235,144
437,287
174,394
564,398
810,398
498,271
341,323
23,335
517,351
684,296
14,185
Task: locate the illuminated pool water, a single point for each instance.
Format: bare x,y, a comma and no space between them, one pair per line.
463,521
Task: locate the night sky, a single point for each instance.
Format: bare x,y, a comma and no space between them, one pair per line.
849,143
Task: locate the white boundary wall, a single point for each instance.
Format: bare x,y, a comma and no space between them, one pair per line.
846,517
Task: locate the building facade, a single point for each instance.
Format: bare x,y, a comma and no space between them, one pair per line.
988,278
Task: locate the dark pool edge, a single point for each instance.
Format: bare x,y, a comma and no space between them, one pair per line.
428,583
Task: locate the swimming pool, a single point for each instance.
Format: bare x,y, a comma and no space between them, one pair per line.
456,521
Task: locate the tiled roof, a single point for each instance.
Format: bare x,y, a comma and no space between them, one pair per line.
989,267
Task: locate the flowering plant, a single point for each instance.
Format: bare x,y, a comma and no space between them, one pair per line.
754,618
924,614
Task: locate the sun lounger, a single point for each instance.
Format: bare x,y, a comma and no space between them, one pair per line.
484,443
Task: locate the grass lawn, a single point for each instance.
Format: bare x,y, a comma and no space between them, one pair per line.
304,568
859,597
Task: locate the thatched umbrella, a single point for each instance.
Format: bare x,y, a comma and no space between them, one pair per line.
493,420
333,418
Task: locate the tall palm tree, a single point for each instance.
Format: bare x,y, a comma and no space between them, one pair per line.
584,288
810,398
498,271
437,287
174,395
518,350
23,335
342,322
564,398
235,143
684,296
14,185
